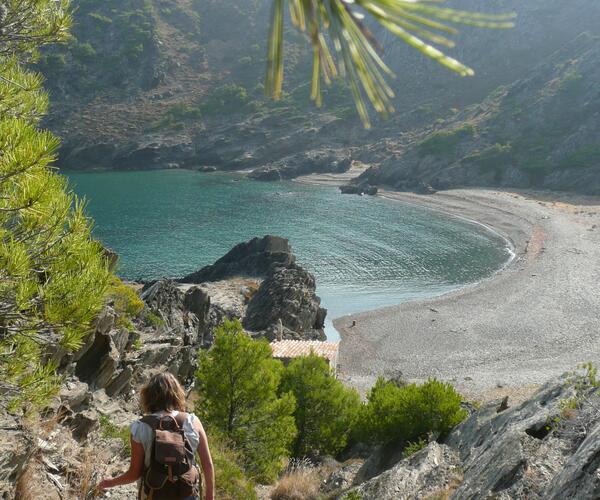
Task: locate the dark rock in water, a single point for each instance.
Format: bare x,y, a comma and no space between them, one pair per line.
111,256
288,295
207,168
257,257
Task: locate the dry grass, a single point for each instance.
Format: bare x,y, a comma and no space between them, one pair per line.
24,487
301,483
83,478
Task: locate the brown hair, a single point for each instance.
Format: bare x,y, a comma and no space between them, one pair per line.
163,392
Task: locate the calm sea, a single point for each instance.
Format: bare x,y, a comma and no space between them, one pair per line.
365,252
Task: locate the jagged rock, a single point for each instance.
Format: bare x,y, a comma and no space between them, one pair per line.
83,423
516,454
97,366
257,257
428,472
342,478
74,393
16,448
288,295
579,478
120,382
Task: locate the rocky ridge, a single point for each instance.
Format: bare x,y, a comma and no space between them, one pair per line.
539,132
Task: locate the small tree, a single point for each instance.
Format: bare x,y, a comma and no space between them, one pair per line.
408,413
53,275
237,383
325,409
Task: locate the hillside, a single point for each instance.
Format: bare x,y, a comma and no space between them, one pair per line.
165,83
541,131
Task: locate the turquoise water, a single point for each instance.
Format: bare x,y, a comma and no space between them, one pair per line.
365,252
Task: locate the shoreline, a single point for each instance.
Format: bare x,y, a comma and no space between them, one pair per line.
535,318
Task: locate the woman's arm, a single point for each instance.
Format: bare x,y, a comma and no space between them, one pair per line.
205,461
136,468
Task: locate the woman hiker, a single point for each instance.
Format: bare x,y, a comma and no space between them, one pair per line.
163,444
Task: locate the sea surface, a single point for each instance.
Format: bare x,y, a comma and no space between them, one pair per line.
366,252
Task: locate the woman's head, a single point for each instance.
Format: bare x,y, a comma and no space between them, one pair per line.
162,392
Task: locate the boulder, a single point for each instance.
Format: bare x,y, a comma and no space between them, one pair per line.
287,296
257,257
83,423
429,473
517,453
74,393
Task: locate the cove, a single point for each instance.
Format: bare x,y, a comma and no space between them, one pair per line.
366,252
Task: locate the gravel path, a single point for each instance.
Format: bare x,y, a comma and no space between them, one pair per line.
536,318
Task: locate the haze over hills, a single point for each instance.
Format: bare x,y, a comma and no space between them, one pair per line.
164,83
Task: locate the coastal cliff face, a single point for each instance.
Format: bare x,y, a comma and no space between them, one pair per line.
541,131
161,84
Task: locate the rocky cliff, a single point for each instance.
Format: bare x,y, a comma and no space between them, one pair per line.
541,131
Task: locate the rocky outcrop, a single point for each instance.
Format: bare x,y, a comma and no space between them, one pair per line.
538,132
285,304
287,296
317,161
548,447
258,257
429,472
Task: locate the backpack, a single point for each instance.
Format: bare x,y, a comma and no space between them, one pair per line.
172,473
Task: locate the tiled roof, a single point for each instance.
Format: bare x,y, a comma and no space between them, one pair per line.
296,348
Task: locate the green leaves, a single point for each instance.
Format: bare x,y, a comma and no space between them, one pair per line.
326,410
237,382
356,53
410,412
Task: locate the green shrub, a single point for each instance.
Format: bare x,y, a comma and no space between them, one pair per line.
231,482
326,410
237,382
585,156
109,430
227,98
409,413
444,142
493,157
125,299
154,319
412,448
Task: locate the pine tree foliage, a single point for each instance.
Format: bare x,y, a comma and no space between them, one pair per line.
326,410
237,383
356,55
53,275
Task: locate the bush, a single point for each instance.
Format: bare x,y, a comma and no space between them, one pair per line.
237,383
409,413
326,410
125,299
228,98
444,142
493,157
585,156
230,481
109,430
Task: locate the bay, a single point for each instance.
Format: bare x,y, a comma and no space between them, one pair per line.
366,252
